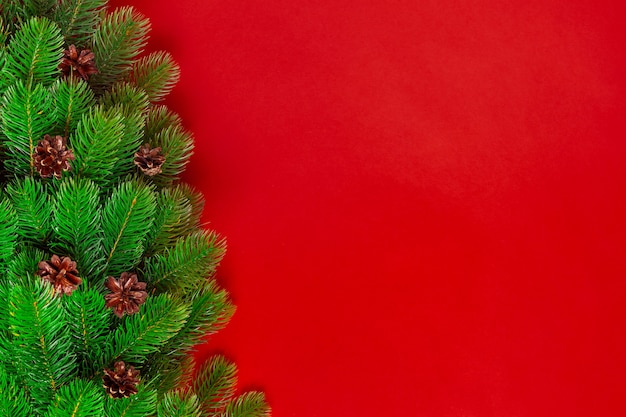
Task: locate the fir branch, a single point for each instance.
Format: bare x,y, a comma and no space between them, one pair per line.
6,345
177,147
34,52
132,103
80,398
156,74
89,324
8,232
215,384
196,199
21,270
169,373
78,19
41,339
27,115
159,117
95,144
211,310
179,404
4,34
141,405
13,399
39,7
11,14
128,98
73,98
33,209
126,219
104,223
129,144
173,219
250,404
118,40
159,318
188,263
76,223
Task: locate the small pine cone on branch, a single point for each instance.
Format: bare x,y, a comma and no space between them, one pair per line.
121,382
78,63
149,160
127,294
52,157
61,273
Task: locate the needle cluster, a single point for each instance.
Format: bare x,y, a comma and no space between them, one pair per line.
106,273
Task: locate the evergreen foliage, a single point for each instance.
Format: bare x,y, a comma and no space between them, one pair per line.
109,217
250,404
33,53
157,74
216,383
78,19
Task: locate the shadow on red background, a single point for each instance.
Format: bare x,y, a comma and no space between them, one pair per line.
424,200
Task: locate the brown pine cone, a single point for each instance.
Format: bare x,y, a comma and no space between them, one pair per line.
149,160
127,294
52,157
61,273
78,63
121,382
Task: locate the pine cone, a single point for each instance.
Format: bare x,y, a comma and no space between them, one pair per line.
121,382
78,63
127,294
149,160
61,273
52,157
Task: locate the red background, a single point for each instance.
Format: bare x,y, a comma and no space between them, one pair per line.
424,200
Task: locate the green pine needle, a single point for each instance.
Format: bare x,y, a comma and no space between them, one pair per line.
80,398
159,319
13,399
126,219
250,404
12,14
89,324
39,7
40,333
211,310
95,142
197,204
186,265
73,98
126,97
118,40
159,117
27,115
34,52
76,225
8,232
22,268
78,19
109,217
215,384
132,103
172,220
179,404
168,373
177,147
33,209
156,74
140,405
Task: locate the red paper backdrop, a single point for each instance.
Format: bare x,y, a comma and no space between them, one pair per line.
424,200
